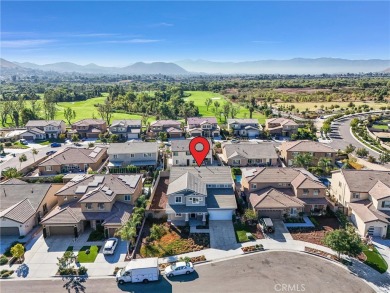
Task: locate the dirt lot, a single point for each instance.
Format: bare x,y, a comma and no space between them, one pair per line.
315,235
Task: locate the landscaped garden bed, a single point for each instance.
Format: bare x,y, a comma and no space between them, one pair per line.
294,220
4,274
252,248
88,254
242,230
194,260
97,235
170,240
67,264
326,255
7,256
373,259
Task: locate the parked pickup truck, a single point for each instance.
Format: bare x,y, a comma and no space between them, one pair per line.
139,270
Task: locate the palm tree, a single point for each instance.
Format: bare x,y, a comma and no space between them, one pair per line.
34,152
127,232
302,160
22,158
325,164
11,173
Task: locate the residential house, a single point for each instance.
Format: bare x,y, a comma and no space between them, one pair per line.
280,192
289,149
203,126
91,200
171,127
181,155
281,126
126,129
193,193
365,197
23,205
134,153
73,160
51,128
249,154
88,128
33,134
244,127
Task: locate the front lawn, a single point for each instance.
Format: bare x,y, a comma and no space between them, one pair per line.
375,260
241,231
83,257
380,126
45,142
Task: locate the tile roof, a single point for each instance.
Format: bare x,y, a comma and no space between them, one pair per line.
184,145
35,131
364,180
306,146
172,129
13,181
303,181
165,123
281,121
272,198
221,198
271,175
368,213
187,181
133,147
42,123
199,120
243,121
72,155
185,209
208,175
250,150
126,122
88,122
19,212
380,190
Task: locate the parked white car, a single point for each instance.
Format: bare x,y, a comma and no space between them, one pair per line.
179,268
109,247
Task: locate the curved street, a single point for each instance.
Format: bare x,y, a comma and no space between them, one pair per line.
275,271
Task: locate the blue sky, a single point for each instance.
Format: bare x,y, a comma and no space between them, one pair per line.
120,33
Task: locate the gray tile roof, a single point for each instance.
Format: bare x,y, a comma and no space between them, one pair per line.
187,181
306,146
272,198
133,147
271,175
199,120
184,145
42,123
88,122
250,150
222,198
72,155
281,121
185,209
126,122
243,121
13,181
208,175
368,213
166,123
19,212
364,180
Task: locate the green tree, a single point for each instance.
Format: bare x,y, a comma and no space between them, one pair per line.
75,137
326,128
17,251
69,115
127,232
302,160
384,157
325,164
216,105
345,241
105,110
22,158
234,110
361,152
157,231
34,152
349,149
354,122
11,173
250,215
226,110
208,103
49,105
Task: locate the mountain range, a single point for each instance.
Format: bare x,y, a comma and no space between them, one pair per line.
183,67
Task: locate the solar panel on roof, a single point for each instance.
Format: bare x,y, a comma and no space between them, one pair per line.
78,178
93,184
99,179
105,188
81,189
93,155
109,192
97,149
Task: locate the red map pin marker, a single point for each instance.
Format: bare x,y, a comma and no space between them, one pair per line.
199,155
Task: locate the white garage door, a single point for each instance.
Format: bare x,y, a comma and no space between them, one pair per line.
220,214
375,231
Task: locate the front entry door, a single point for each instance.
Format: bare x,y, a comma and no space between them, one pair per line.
188,162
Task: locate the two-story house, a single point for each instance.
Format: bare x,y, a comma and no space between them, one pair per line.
181,155
88,128
136,153
249,154
87,201
203,126
171,127
365,195
126,129
280,192
23,205
195,193
51,128
244,127
281,126
73,160
289,149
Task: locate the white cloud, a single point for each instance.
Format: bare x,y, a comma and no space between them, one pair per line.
25,43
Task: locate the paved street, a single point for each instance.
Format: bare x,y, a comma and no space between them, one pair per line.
261,272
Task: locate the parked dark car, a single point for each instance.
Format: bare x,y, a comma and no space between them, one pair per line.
55,145
49,153
267,225
77,144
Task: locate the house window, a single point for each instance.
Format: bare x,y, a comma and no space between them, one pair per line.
340,184
131,155
386,204
48,168
306,192
250,161
101,206
253,186
293,211
236,162
188,153
88,206
316,192
147,155
175,154
178,215
355,195
178,199
127,197
194,200
115,156
328,155
177,162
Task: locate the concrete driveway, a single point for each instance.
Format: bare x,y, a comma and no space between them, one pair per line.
281,233
222,235
6,242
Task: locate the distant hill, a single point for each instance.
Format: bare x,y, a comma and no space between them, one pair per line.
292,66
7,64
386,70
137,68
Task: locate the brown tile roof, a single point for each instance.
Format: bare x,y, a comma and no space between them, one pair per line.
272,198
306,146
302,181
380,190
281,121
271,175
364,180
368,213
19,212
88,122
199,120
165,123
250,150
42,123
72,155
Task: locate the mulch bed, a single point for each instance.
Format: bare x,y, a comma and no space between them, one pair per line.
327,255
252,248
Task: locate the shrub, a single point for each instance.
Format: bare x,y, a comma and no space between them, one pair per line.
82,270
157,231
7,274
314,221
236,171
3,260
8,144
67,271
185,259
91,145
